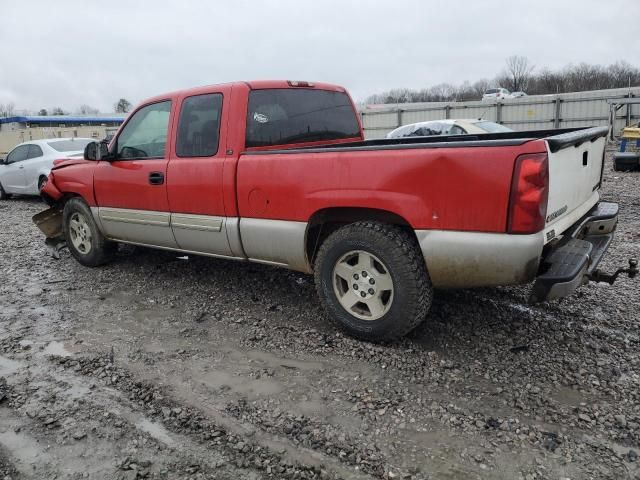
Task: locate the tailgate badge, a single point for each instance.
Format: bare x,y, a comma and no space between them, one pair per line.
551,234
557,213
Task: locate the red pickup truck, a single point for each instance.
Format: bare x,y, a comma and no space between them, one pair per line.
278,172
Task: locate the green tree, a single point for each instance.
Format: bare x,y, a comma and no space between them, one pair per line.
122,106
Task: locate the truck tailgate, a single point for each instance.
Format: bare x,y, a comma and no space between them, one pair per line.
575,170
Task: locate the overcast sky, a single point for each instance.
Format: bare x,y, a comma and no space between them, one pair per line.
67,53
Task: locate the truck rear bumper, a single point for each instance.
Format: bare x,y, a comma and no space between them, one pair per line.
574,259
458,259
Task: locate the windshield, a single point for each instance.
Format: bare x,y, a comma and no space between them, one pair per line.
70,145
492,127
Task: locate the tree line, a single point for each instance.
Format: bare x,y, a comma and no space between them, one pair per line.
520,75
9,109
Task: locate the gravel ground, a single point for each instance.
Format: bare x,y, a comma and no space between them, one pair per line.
161,367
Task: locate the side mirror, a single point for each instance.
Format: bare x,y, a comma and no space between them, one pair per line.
96,151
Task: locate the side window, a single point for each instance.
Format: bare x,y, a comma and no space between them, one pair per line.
145,134
35,151
456,130
199,126
18,154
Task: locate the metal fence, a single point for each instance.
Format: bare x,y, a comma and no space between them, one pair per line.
526,113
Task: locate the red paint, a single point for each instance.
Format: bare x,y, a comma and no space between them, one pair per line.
466,188
73,177
438,188
195,184
125,184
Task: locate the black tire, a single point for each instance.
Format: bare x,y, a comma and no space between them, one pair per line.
4,195
101,250
400,254
43,197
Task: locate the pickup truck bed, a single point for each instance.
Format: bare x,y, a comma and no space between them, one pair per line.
279,173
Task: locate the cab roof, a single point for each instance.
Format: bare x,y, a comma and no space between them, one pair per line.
253,85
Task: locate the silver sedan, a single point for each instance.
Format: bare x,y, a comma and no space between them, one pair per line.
27,166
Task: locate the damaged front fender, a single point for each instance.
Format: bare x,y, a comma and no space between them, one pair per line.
50,192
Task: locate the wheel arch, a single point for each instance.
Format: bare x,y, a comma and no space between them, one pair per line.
41,176
325,221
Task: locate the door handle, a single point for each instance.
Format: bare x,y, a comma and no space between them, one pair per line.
156,178
21,167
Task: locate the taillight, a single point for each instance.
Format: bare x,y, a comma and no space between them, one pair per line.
529,194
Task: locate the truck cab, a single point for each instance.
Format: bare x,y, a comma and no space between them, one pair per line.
168,179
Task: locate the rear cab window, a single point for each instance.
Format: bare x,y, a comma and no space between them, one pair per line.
291,116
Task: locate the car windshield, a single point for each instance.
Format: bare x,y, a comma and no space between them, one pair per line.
492,90
70,145
492,127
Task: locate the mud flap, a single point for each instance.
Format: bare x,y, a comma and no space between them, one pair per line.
50,223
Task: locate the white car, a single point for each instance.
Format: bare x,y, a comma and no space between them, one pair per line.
518,94
27,166
448,127
495,94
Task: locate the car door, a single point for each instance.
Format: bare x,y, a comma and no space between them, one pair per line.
195,182
32,166
130,188
12,177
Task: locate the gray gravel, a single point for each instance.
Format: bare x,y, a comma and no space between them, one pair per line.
160,367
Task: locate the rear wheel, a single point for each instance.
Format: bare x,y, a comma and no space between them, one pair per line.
41,182
86,243
372,280
4,195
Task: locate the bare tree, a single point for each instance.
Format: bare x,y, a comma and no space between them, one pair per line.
43,112
7,109
87,110
57,111
480,87
123,106
517,73
520,76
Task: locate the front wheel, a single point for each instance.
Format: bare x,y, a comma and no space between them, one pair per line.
372,280
86,243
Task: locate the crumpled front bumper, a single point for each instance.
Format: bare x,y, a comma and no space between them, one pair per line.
573,261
